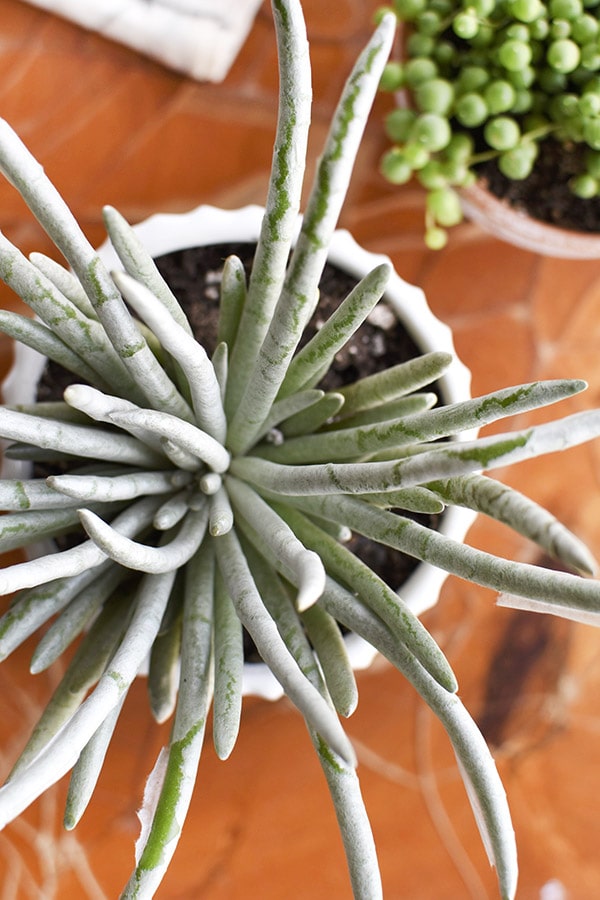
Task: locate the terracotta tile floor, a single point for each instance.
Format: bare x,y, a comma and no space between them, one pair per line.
111,127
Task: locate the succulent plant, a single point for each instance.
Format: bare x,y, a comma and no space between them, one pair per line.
492,80
214,493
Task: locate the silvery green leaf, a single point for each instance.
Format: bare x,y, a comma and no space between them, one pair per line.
434,424
138,263
76,440
574,613
383,412
283,199
335,332
279,602
482,782
33,607
172,511
372,591
353,822
36,335
314,416
30,494
220,518
302,566
82,673
229,669
505,504
234,291
253,615
84,336
76,560
188,353
289,406
143,557
270,359
396,382
169,789
165,425
503,575
107,488
65,281
77,613
86,770
165,655
325,636
61,754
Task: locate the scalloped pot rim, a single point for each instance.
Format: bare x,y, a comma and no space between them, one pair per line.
166,232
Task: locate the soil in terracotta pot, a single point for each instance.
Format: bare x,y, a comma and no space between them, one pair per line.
194,276
545,193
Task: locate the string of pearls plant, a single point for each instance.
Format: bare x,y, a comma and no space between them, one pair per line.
492,80
212,493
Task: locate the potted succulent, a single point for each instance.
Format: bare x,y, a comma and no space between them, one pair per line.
202,510
499,119
162,236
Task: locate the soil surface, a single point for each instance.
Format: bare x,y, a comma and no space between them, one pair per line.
545,194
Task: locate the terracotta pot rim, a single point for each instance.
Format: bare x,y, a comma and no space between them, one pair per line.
517,227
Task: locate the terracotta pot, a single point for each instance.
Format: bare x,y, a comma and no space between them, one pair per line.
507,223
503,220
165,233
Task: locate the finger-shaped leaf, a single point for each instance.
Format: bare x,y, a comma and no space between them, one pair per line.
328,642
270,359
136,260
505,504
234,291
483,784
253,615
31,494
343,565
335,332
86,770
229,671
61,754
503,575
191,356
192,439
76,560
169,789
65,281
79,440
82,673
118,487
427,426
36,335
394,383
143,557
76,615
283,197
304,566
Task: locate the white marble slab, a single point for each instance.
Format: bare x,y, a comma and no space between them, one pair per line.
198,37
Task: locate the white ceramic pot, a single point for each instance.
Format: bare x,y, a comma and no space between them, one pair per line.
165,233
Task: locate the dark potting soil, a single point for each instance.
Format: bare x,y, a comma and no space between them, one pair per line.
545,193
194,276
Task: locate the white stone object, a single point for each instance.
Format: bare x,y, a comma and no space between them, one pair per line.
200,38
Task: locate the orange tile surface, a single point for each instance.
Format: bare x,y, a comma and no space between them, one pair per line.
112,127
